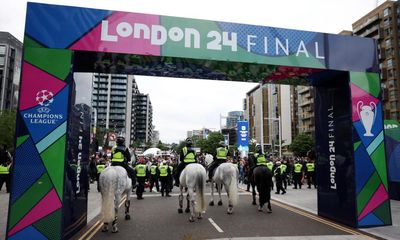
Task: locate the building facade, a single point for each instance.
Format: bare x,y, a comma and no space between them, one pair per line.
119,107
232,118
10,70
382,24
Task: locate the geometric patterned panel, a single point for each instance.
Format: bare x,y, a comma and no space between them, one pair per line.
49,226
372,194
25,175
28,233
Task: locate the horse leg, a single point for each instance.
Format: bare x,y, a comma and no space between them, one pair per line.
219,187
212,194
190,198
187,210
115,222
127,205
180,201
269,207
105,227
254,194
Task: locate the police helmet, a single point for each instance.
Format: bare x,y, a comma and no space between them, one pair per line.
222,143
120,141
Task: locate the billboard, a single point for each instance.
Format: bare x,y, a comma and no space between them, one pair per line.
243,136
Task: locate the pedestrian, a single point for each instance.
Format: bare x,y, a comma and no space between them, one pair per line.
310,173
297,174
187,156
141,173
278,174
220,157
154,173
165,172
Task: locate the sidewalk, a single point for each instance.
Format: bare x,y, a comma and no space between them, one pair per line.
306,199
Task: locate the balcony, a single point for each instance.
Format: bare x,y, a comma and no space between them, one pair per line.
365,24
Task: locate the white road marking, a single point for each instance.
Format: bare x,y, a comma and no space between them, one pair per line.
215,225
177,194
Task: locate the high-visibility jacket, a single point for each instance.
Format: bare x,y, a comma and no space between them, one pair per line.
297,168
140,170
117,156
260,160
222,153
278,171
284,167
4,169
153,169
188,157
270,165
100,168
163,170
310,167
171,169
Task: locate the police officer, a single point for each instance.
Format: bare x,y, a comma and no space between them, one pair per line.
170,178
278,174
284,176
220,157
187,156
165,172
5,176
100,166
297,174
260,160
120,156
141,173
154,173
310,173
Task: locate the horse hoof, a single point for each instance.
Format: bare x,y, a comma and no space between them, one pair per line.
269,211
127,217
199,217
219,203
115,230
211,203
230,212
104,229
180,210
191,219
260,209
187,210
254,203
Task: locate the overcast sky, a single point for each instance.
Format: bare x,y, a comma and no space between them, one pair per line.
180,105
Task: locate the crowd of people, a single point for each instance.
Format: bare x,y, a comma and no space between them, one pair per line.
161,173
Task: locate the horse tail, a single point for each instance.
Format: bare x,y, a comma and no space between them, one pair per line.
108,186
263,184
233,188
200,186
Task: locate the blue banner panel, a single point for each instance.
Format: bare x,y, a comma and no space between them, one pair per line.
76,176
243,136
334,144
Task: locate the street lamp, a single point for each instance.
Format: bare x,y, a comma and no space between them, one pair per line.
279,131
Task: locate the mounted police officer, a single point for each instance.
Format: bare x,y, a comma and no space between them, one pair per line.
187,156
260,160
120,156
220,157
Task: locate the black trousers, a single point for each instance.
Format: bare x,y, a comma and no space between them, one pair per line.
140,188
297,179
311,179
213,166
154,181
279,185
164,185
5,178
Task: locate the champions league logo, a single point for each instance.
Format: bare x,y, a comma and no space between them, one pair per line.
44,98
367,115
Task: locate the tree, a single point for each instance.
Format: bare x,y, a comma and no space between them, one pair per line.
210,144
301,145
7,128
161,146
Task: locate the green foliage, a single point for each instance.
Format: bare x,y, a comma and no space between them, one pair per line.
7,128
161,146
301,145
210,144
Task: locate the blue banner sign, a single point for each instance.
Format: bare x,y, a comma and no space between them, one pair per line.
243,136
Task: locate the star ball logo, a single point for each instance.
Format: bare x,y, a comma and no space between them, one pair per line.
44,98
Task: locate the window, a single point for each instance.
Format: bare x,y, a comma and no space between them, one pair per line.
2,50
392,83
386,12
388,42
389,63
389,52
387,22
2,61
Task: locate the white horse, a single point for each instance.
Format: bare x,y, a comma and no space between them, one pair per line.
193,177
114,185
226,174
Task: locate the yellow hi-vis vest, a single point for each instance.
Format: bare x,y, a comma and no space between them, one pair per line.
297,168
188,157
171,168
140,170
270,165
117,157
153,169
100,168
261,160
284,167
163,170
310,167
222,153
4,169
276,171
